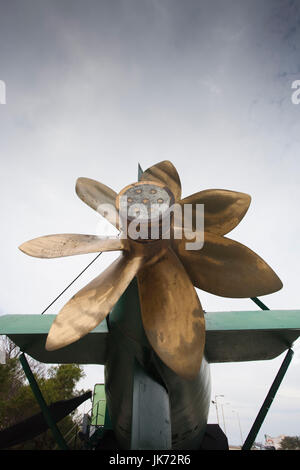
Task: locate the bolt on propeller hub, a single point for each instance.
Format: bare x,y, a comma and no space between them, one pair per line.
143,207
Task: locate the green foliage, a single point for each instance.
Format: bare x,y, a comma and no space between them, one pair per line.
17,401
290,443
62,380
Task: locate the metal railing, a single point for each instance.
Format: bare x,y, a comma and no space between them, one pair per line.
72,436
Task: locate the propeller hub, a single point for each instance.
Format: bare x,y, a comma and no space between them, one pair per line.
143,207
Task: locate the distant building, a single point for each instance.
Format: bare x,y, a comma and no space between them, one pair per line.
273,441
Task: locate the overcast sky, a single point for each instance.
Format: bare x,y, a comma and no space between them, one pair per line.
94,87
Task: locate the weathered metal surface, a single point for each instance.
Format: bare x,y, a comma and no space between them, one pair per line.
92,304
146,195
227,268
172,315
164,172
99,197
151,420
144,205
69,244
223,209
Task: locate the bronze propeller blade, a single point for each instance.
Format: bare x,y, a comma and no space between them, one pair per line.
227,268
223,210
92,303
164,172
172,315
99,197
68,244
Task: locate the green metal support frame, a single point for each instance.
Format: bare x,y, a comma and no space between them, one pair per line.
268,401
43,405
272,392
259,303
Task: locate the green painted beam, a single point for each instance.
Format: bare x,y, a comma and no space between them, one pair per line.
25,324
230,337
253,320
35,324
250,335
29,332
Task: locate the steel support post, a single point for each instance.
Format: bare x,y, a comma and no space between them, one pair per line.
259,303
43,405
268,401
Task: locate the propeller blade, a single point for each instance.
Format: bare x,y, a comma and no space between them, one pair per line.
68,244
93,303
172,315
227,268
223,210
166,173
99,197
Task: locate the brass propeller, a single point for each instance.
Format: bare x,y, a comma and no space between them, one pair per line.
92,303
172,315
68,244
223,209
99,197
164,172
227,268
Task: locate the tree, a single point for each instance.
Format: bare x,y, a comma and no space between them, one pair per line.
17,401
290,443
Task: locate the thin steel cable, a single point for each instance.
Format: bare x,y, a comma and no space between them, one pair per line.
56,298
